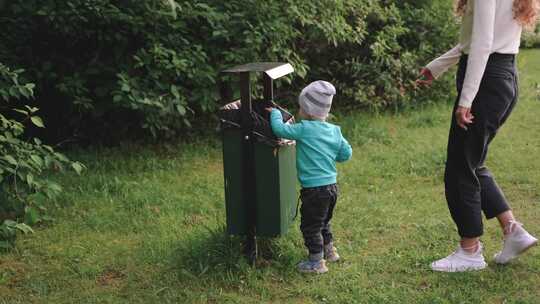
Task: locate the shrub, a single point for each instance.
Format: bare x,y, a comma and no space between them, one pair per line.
531,38
108,70
378,68
24,189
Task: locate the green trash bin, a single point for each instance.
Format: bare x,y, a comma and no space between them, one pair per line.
275,186
259,171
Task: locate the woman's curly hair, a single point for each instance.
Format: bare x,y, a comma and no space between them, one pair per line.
525,11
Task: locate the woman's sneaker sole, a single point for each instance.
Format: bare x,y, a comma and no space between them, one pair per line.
460,269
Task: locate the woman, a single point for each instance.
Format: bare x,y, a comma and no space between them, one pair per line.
487,92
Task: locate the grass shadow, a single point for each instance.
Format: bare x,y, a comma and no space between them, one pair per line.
213,254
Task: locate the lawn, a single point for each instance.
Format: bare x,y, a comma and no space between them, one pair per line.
145,224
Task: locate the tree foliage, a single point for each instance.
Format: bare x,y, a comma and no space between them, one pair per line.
531,38
108,69
24,187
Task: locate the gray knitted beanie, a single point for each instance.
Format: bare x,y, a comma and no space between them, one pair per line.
316,99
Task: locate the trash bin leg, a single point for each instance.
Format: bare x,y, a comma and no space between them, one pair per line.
249,168
250,249
251,204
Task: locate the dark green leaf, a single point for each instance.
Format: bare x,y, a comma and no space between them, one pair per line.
36,120
77,167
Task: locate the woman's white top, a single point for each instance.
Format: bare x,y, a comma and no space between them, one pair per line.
488,26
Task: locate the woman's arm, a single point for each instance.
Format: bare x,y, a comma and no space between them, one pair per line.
440,65
481,45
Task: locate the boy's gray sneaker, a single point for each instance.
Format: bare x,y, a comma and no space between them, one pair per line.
313,266
330,253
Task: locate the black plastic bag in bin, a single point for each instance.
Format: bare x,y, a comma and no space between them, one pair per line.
230,116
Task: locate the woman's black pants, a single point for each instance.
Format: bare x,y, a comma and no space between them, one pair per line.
469,186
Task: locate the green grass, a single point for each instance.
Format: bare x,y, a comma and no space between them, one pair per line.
145,225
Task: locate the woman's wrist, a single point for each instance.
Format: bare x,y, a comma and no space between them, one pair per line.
427,74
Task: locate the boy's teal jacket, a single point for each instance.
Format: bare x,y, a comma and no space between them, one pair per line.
318,146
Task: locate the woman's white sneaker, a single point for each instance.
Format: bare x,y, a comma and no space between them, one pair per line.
461,261
515,243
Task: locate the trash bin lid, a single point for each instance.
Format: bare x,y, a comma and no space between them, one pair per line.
274,70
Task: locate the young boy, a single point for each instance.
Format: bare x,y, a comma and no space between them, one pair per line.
318,146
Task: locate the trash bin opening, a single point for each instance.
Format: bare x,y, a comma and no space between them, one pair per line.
230,116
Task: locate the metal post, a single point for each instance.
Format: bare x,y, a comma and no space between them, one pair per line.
268,85
225,91
248,168
245,97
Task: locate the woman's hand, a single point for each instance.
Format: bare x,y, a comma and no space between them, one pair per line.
464,117
426,78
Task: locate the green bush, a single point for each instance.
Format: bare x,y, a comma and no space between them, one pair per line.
396,38
531,39
107,70
24,189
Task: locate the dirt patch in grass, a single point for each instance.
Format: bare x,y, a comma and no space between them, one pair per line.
193,220
111,278
11,276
